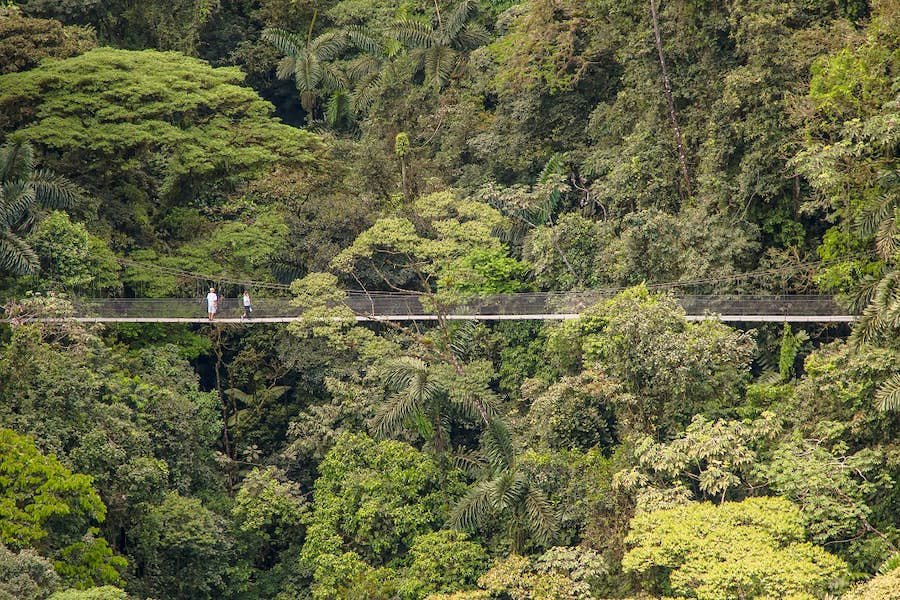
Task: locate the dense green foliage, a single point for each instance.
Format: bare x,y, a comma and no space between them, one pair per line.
452,149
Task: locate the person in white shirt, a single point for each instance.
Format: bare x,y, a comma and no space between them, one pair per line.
212,303
247,308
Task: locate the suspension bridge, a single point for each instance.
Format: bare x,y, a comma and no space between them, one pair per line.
409,306
395,306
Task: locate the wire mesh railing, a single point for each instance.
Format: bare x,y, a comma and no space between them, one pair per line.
385,305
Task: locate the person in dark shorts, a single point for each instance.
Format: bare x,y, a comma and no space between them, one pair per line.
247,308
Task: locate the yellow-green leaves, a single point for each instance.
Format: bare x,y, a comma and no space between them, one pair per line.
35,489
738,550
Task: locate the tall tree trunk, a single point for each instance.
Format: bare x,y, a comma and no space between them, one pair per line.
679,142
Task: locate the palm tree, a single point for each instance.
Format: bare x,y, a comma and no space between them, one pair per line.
22,188
880,296
371,69
421,400
309,62
507,493
441,48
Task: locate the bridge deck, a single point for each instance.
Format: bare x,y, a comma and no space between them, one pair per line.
384,306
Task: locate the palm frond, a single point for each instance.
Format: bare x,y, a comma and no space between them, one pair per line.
365,93
308,73
497,446
54,191
439,64
458,17
337,108
887,396
472,36
413,33
554,168
507,489
18,197
329,45
867,327
475,507
391,416
365,41
16,159
286,68
333,78
16,256
287,43
462,342
362,67
469,462
542,520
886,236
863,293
883,311
873,214
893,562
415,389
400,373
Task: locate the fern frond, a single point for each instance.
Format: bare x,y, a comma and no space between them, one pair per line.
887,396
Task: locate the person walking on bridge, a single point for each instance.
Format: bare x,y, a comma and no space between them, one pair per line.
247,308
212,303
